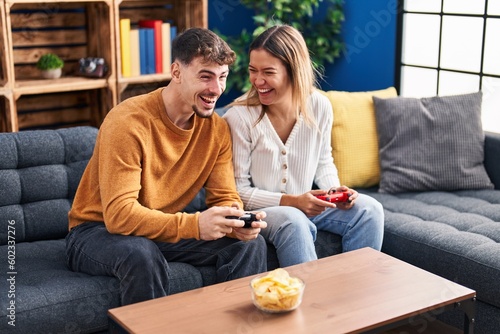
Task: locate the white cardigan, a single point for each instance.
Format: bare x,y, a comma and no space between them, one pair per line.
265,168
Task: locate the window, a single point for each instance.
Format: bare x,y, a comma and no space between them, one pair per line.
451,47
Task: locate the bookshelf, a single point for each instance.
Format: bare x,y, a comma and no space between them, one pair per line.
181,14
73,30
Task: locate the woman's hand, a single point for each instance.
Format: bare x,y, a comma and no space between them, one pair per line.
313,206
353,194
308,202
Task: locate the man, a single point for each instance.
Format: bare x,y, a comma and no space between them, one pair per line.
153,154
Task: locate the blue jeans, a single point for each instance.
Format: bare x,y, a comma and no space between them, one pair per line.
293,233
141,265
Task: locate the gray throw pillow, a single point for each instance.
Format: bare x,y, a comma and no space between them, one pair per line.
434,143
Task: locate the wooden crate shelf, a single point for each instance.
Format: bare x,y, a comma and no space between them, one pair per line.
55,110
74,29
70,29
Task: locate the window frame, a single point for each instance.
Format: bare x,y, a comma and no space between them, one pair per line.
399,44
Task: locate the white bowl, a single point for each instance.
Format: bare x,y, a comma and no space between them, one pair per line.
277,300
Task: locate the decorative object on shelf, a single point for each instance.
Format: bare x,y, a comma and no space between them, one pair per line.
51,66
318,20
92,67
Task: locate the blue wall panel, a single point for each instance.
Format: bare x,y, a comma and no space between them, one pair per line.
369,32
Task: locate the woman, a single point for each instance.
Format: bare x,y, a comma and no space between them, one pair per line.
281,131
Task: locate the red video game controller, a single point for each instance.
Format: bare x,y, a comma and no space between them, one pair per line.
335,197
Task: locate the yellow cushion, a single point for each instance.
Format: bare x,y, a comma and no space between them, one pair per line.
354,136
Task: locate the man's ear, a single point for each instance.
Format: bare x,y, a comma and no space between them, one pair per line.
175,71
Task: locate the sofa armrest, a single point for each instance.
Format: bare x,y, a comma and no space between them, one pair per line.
492,157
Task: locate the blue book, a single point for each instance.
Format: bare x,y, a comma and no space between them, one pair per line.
143,50
173,33
150,51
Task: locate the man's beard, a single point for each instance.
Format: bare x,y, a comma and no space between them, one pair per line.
200,114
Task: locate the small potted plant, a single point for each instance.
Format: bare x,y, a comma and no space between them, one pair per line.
50,65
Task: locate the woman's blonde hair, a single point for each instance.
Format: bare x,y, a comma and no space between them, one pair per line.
288,45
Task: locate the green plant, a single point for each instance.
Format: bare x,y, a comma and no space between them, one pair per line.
49,61
321,32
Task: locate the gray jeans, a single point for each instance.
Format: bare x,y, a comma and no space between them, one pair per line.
141,265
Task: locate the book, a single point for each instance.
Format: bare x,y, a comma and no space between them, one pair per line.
173,32
150,51
156,25
166,47
143,50
135,57
125,47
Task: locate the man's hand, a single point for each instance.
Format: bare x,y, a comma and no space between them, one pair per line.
213,224
250,233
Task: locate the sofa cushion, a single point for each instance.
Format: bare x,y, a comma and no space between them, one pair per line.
354,136
39,172
47,291
434,143
452,234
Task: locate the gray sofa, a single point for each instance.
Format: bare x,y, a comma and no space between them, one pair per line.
455,235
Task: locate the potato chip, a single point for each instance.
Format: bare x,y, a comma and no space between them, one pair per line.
277,291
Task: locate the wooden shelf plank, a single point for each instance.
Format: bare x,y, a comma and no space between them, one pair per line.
66,84
13,2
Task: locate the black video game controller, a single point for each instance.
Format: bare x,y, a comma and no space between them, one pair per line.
248,218
335,197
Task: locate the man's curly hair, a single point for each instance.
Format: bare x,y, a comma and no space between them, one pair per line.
196,42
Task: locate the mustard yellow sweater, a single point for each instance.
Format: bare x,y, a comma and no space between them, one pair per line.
144,170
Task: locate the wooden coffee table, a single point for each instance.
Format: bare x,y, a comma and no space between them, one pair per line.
363,291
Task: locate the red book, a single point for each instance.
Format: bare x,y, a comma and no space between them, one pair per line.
156,25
